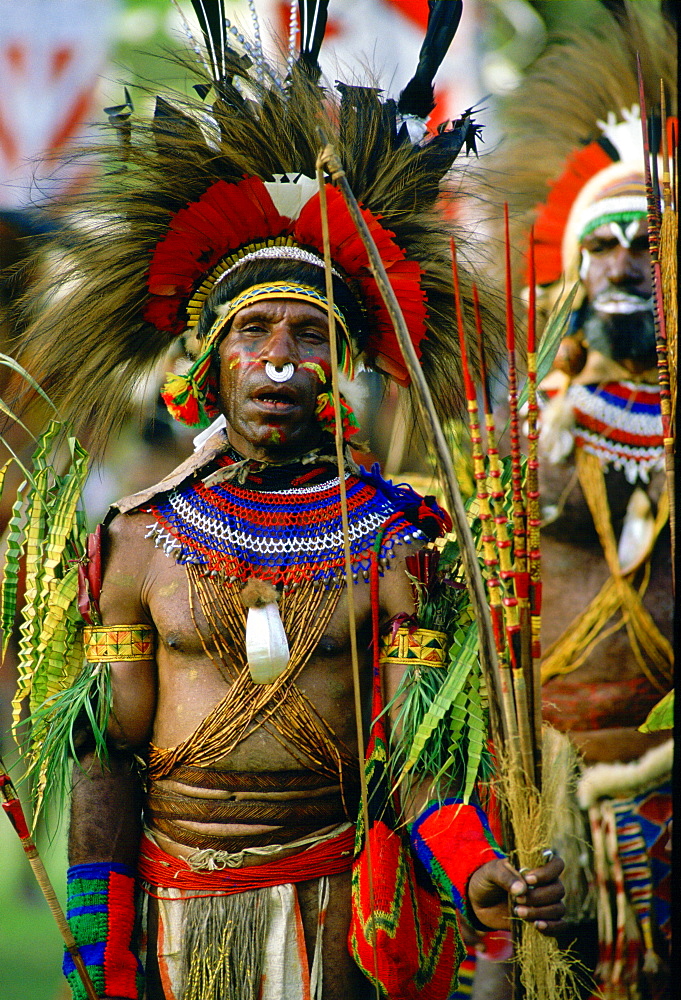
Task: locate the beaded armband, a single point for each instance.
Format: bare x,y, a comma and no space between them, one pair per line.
100,910
108,643
419,646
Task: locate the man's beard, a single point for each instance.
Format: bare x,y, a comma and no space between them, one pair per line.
622,336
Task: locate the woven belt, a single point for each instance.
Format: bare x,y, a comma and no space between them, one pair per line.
308,803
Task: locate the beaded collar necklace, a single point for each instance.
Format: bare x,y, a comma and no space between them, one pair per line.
282,524
620,423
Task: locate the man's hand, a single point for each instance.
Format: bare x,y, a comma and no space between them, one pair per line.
536,895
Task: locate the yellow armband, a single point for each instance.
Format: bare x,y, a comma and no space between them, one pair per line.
107,643
410,648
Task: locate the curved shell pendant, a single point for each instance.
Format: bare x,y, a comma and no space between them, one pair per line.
267,649
282,374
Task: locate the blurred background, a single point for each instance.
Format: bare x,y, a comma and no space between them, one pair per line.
61,63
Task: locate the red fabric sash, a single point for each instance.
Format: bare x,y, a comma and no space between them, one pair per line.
331,857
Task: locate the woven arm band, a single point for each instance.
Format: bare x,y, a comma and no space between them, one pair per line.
109,643
452,840
415,646
100,909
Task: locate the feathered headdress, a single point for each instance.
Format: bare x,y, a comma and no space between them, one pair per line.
574,116
215,182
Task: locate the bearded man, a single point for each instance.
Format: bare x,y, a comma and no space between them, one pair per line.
607,609
219,638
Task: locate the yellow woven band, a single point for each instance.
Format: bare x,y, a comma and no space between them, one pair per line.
422,646
108,643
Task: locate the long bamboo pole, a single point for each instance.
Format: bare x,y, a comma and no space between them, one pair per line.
348,557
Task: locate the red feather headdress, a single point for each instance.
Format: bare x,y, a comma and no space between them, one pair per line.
229,217
210,179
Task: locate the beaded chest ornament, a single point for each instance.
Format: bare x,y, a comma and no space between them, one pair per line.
290,538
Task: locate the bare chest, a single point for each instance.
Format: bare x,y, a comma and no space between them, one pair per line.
200,655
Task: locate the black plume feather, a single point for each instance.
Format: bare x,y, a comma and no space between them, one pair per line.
313,15
170,124
443,20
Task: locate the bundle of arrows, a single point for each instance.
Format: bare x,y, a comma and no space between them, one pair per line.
662,195
533,762
661,151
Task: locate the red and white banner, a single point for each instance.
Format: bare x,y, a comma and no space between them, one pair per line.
51,55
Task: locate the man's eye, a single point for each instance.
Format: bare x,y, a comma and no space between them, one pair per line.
602,246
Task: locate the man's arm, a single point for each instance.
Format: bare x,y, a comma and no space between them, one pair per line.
494,885
106,803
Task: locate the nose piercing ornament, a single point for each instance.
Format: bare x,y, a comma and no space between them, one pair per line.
282,374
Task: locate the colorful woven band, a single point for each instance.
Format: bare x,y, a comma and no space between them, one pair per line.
620,210
100,910
452,840
108,643
421,645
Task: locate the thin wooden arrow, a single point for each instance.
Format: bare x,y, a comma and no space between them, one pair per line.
15,813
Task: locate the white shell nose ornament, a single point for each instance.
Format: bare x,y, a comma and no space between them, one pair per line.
282,374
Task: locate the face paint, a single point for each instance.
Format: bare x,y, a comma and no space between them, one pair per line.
317,369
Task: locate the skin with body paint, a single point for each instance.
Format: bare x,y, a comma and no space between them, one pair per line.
263,415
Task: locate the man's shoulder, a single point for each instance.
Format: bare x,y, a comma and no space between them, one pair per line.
211,449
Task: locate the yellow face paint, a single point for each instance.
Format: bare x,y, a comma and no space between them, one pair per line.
317,369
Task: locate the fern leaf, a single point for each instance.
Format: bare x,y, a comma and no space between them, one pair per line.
456,678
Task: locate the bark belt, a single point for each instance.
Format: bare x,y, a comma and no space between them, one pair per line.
296,802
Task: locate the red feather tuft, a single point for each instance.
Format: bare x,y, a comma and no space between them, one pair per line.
553,215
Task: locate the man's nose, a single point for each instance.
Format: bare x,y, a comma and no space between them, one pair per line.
624,268
281,347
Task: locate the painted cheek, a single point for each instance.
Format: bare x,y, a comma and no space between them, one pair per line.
243,358
320,367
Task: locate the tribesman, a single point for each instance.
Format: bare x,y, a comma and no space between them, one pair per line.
573,165
217,785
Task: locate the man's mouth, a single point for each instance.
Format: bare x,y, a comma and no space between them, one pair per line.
612,301
275,398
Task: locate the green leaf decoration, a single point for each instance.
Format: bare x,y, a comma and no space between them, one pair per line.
38,504
47,535
661,716
52,738
477,735
10,578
